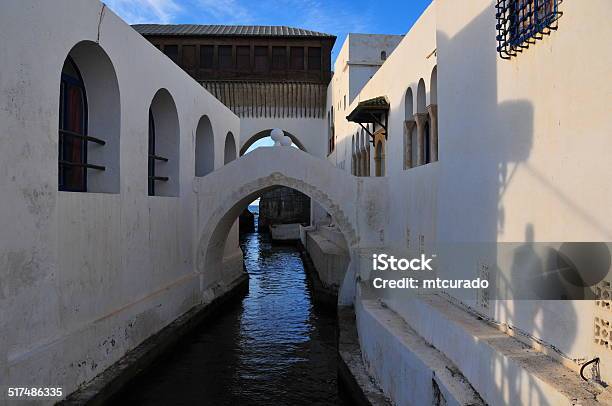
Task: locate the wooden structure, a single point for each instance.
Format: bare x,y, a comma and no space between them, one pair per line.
257,71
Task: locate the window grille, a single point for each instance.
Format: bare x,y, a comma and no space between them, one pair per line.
521,22
153,177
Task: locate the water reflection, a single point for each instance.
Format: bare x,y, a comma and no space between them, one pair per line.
273,348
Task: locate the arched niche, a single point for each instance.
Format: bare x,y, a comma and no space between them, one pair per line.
433,86
408,104
164,140
229,153
89,122
204,148
421,97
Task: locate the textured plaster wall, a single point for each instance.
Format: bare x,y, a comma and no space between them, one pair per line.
88,276
523,150
523,153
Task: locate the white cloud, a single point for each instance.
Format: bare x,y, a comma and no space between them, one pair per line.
226,11
145,11
334,17
329,17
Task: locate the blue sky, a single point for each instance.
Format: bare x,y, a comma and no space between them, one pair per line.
337,17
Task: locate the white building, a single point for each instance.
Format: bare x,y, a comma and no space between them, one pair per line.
470,151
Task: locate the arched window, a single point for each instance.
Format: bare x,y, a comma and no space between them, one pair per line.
89,122
433,114
353,155
421,97
163,158
414,151
152,157
408,105
204,148
409,125
379,159
383,55
332,133
433,86
367,159
230,148
426,144
73,131
362,154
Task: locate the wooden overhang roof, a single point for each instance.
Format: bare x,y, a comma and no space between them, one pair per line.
228,31
369,111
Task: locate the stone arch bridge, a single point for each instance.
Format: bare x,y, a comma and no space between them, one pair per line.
231,188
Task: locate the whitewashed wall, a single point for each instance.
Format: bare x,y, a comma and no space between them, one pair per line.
524,148
87,276
523,152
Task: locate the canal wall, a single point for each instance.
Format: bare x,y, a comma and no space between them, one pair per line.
104,387
329,253
511,164
441,352
283,205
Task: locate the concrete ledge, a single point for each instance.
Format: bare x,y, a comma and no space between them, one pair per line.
330,259
322,295
408,369
285,232
352,374
103,387
503,370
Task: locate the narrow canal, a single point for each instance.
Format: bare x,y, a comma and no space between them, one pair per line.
271,348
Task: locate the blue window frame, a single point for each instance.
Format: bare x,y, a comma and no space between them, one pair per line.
73,137
521,22
72,154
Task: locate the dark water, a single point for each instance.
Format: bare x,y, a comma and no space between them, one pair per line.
272,348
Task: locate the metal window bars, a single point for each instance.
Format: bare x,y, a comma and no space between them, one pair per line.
521,22
152,158
63,162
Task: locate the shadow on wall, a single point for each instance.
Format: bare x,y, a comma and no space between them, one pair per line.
482,142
